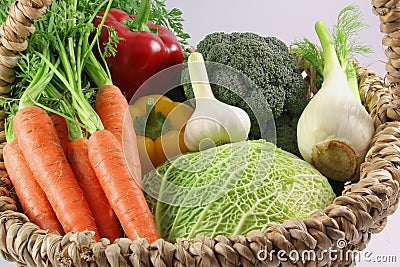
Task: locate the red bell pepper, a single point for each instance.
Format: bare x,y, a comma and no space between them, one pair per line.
145,48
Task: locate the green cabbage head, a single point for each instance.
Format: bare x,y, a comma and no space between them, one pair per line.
232,189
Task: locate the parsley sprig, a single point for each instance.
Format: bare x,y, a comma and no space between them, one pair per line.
159,15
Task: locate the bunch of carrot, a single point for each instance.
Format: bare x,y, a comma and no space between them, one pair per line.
83,184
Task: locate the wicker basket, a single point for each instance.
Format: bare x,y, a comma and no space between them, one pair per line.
359,212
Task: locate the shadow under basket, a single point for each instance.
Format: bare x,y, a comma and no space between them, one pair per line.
354,216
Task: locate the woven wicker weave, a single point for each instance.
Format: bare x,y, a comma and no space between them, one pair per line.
359,212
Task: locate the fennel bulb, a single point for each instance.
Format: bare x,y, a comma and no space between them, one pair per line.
334,130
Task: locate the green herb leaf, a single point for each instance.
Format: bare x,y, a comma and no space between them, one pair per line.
345,38
345,34
110,48
159,15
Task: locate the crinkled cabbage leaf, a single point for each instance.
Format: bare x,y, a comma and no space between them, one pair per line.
232,189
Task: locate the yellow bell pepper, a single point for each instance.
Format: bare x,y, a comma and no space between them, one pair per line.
159,124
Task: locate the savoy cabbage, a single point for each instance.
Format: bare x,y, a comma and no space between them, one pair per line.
232,189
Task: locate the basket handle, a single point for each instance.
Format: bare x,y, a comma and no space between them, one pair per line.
13,34
389,15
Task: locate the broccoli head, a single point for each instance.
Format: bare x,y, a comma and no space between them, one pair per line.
264,79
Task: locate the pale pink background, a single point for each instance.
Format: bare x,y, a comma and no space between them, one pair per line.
290,20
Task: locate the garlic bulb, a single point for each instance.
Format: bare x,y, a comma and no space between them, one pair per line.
213,122
334,130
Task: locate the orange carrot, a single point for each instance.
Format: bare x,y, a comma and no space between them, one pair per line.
106,220
60,124
113,110
31,197
121,189
42,150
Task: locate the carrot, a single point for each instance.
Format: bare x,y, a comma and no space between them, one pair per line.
113,110
60,124
31,197
122,190
106,220
42,150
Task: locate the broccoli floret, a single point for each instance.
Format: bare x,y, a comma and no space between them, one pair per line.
262,63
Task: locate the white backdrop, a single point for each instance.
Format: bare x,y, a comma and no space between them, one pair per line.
290,20
287,20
